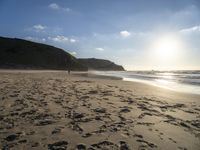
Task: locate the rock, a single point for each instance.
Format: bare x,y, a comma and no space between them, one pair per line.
81,147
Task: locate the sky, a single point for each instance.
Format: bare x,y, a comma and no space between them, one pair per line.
138,34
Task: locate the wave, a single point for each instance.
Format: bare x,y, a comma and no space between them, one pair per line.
184,81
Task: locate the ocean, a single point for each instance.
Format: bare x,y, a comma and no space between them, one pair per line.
181,81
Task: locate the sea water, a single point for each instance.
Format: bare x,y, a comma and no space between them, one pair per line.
182,81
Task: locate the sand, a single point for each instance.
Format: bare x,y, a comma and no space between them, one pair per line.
53,110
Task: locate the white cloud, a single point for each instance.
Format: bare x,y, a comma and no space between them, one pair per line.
39,27
100,49
73,40
191,29
62,39
125,33
36,28
59,38
55,6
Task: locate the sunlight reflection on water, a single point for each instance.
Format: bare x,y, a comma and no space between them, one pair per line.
171,85
187,81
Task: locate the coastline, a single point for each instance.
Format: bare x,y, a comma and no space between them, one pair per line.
40,108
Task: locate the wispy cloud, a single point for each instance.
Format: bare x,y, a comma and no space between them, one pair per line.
35,39
194,29
62,39
125,33
36,28
55,6
39,27
99,49
59,39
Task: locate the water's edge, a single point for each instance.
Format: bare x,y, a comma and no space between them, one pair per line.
187,82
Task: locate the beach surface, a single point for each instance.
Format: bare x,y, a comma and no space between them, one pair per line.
54,110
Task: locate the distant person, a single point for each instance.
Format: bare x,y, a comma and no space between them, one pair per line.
68,69
69,65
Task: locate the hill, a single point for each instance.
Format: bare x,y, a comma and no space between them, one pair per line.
100,64
22,54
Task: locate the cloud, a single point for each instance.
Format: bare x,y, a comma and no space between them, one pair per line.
73,40
59,38
62,39
125,33
99,49
55,6
35,39
39,27
194,29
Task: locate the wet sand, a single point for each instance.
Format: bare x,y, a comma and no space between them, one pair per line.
53,110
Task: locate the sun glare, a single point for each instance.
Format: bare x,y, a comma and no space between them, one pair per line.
166,48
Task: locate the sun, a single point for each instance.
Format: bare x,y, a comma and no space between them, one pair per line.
166,48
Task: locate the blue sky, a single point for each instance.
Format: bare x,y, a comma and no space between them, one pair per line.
124,31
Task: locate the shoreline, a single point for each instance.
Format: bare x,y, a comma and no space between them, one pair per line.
49,109
89,75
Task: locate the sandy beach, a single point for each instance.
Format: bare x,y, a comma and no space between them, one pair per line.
56,111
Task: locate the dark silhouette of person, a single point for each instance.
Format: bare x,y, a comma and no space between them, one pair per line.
69,65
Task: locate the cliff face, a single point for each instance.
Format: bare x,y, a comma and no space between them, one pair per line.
100,64
22,54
